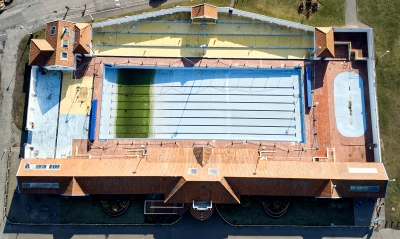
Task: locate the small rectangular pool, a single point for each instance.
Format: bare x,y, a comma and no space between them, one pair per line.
202,104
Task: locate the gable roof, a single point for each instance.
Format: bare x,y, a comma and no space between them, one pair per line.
82,38
42,44
204,11
324,39
202,154
165,171
48,52
74,189
329,191
56,39
40,52
203,191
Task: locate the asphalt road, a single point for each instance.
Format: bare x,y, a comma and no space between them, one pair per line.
32,15
189,227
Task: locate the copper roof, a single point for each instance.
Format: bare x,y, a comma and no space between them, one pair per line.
202,154
83,38
172,162
48,52
42,44
324,39
329,191
204,11
55,40
40,52
237,172
74,189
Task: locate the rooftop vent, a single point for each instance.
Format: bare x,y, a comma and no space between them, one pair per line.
192,171
213,171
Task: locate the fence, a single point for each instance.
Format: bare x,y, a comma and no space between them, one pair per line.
188,9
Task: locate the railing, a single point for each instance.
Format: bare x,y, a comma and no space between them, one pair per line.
188,9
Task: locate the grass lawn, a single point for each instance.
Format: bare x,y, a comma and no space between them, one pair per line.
22,78
384,18
305,212
84,211
134,105
330,14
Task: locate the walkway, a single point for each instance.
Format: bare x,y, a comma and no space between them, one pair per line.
350,12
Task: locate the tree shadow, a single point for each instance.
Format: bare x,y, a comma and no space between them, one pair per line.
156,3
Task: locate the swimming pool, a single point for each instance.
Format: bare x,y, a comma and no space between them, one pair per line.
202,103
349,104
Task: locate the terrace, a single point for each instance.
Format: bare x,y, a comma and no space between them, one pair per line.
231,37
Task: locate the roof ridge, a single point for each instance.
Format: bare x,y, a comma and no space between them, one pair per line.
74,187
329,190
175,189
228,188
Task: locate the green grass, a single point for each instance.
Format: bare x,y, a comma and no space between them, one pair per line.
330,14
84,211
134,104
305,212
384,18
22,78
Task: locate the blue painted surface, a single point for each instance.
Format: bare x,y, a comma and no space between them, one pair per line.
71,126
93,119
29,141
308,85
45,113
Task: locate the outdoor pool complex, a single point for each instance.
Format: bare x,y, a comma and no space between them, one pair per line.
202,104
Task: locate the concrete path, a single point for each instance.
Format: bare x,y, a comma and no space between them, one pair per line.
189,227
350,12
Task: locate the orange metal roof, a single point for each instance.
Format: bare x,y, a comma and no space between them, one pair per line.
167,171
324,39
173,162
82,38
55,41
42,44
74,189
329,191
204,11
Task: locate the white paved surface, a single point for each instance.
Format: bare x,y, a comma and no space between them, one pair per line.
46,104
349,104
108,101
70,126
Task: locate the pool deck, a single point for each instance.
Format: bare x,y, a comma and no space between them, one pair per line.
323,140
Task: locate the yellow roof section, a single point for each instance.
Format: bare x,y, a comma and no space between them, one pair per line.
43,45
81,25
